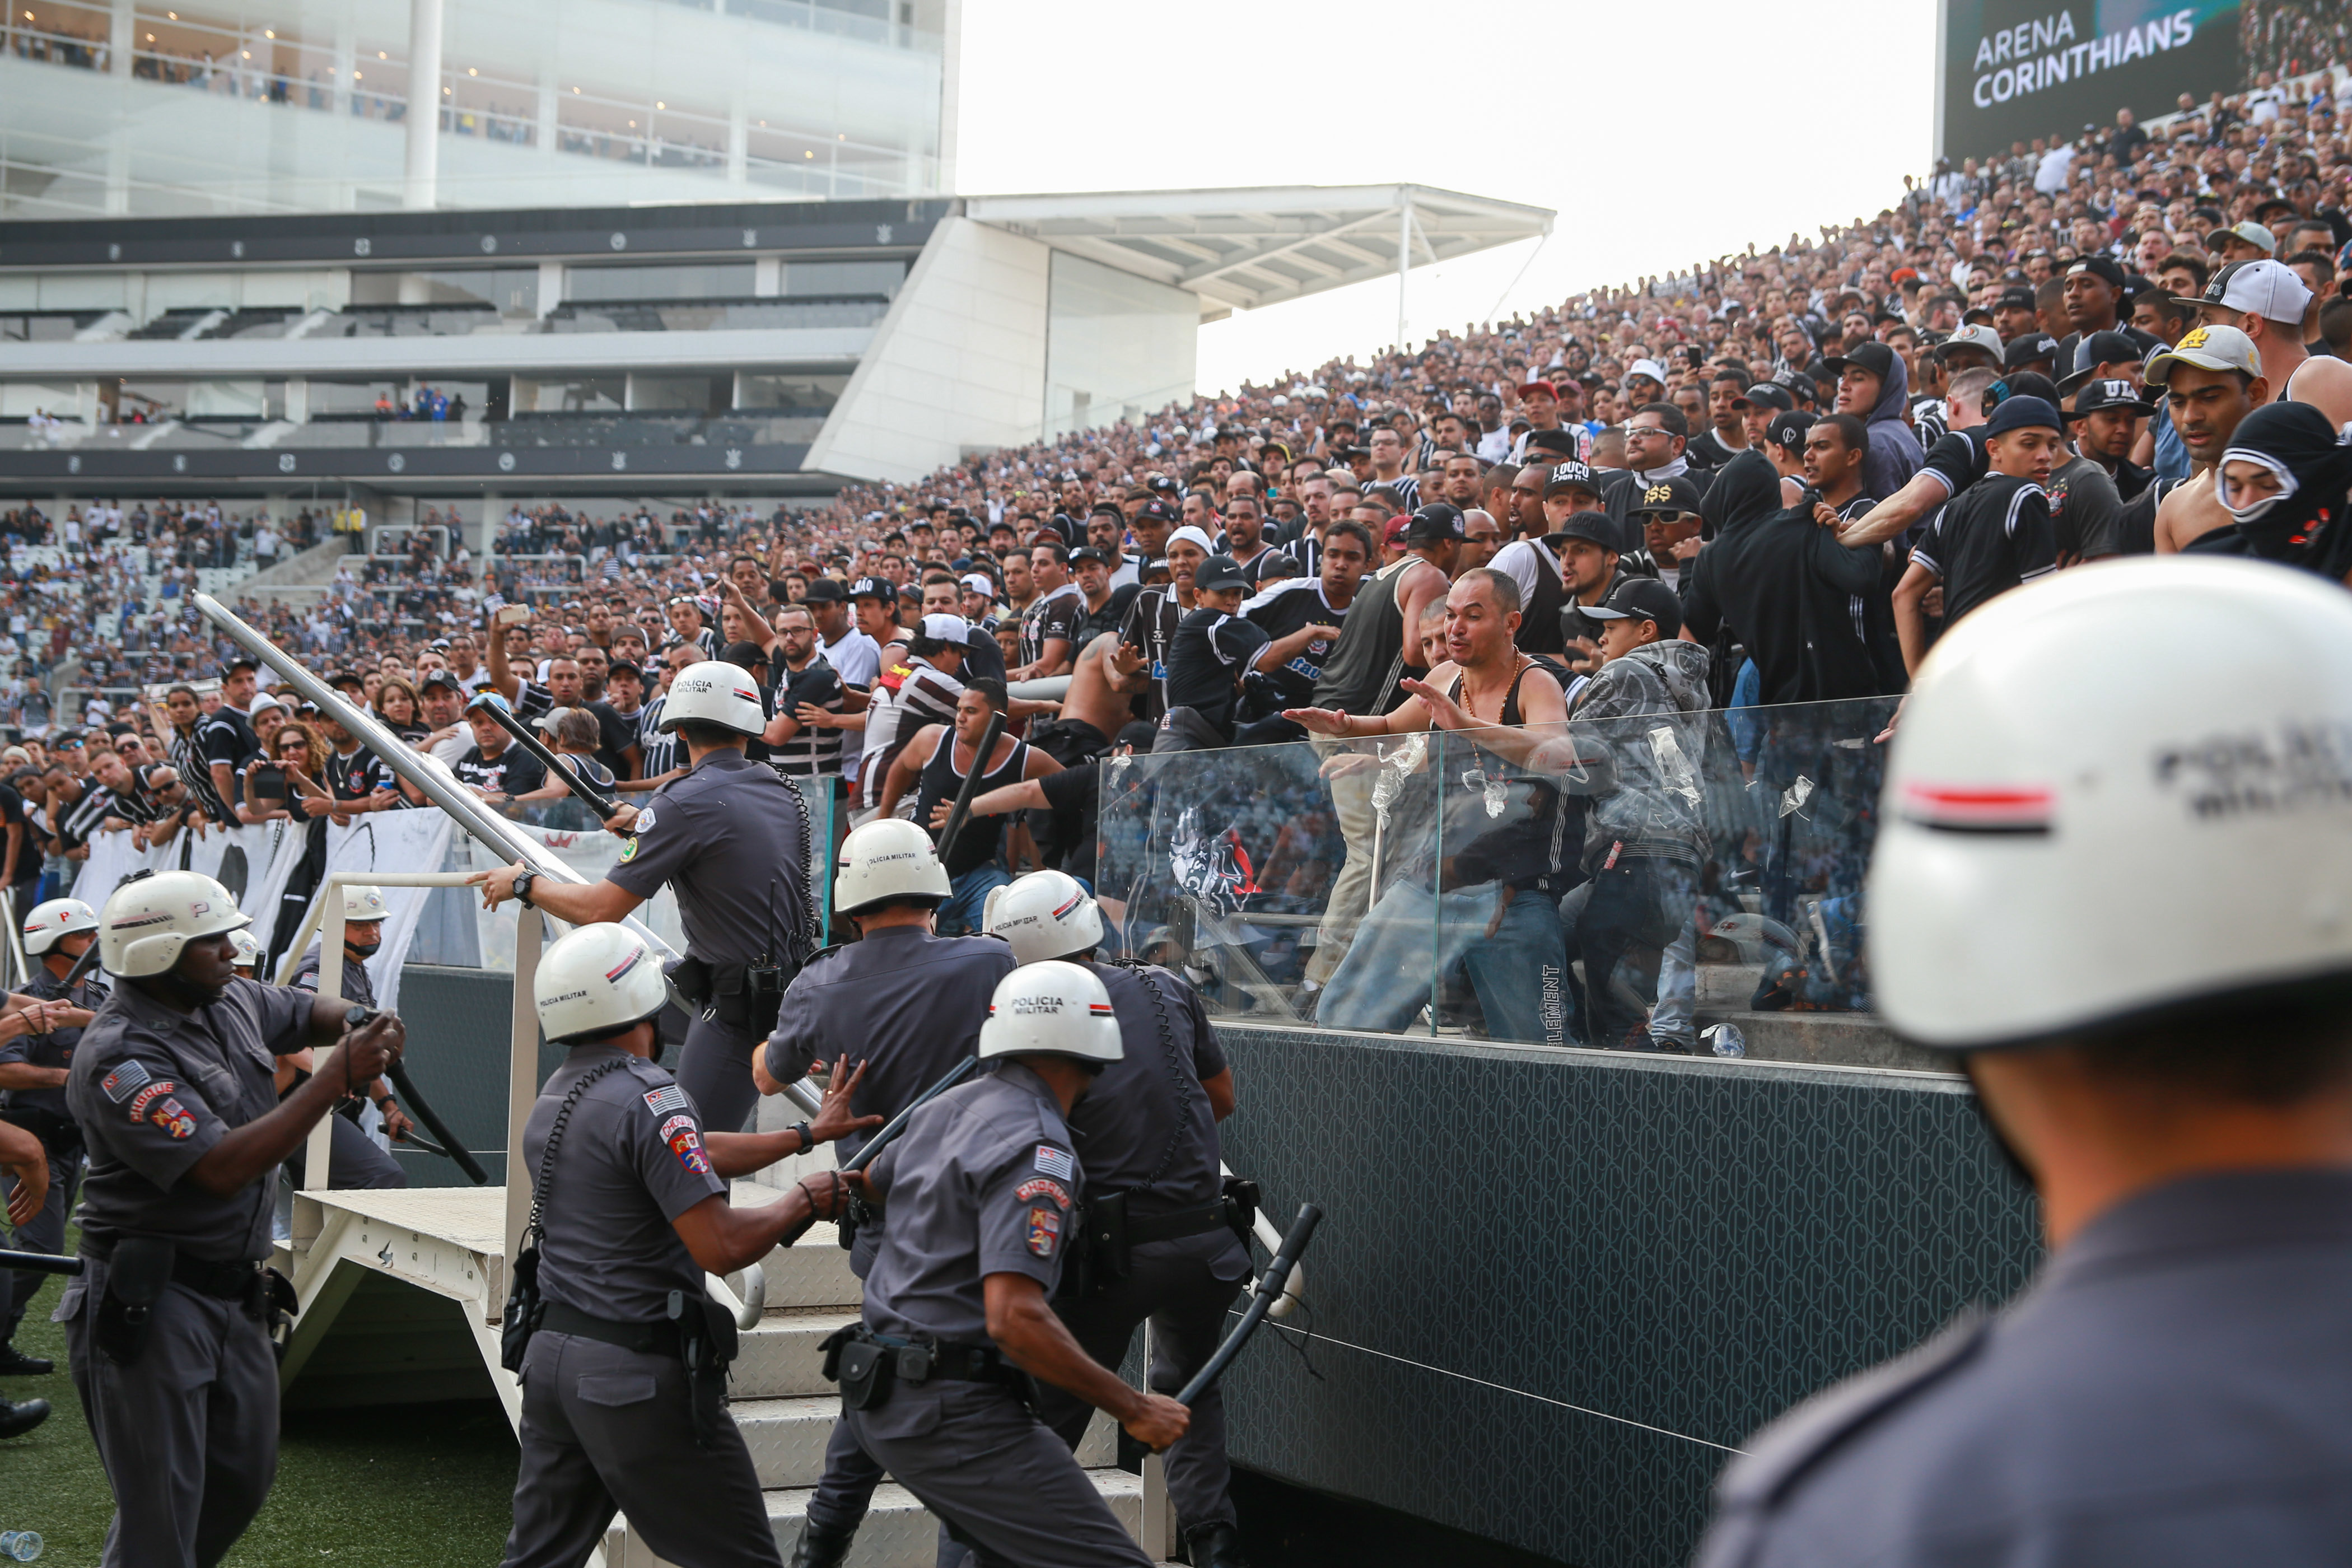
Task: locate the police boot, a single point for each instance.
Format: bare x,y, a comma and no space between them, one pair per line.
15,1363
1214,1546
21,1417
821,1548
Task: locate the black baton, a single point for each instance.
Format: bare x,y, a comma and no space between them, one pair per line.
596,800
987,739
39,1262
434,1125
1270,1286
887,1132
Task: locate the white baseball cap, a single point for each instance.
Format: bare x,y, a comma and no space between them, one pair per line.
947,628
980,583
1650,368
2267,289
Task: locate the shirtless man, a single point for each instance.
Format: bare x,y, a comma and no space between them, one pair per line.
2210,380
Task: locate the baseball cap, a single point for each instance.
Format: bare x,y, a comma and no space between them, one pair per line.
2015,300
2103,268
1596,527
1642,599
1770,393
1157,510
2029,348
1678,494
1650,368
488,697
2250,231
1435,524
1393,532
2266,289
1562,442
1220,572
1788,429
875,588
262,704
1982,339
440,678
2110,393
1547,388
2023,413
2098,349
1570,476
981,583
945,628
1108,509
1194,536
1088,553
2207,348
824,591
1873,359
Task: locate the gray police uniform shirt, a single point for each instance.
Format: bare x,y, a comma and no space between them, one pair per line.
982,1182
727,837
2176,1388
154,1089
53,1049
1128,1126
633,1160
908,1004
354,986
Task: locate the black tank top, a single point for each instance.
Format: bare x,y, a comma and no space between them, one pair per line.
975,845
1361,674
1539,625
1540,847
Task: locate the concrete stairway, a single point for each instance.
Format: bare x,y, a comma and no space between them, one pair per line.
786,1409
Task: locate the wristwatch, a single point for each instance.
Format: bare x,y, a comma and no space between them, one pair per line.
522,888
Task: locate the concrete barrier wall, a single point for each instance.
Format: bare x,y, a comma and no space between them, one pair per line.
1556,1287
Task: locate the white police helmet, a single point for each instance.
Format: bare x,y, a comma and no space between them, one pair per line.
716,693
1053,1009
1045,915
2089,818
888,858
147,922
55,919
361,903
245,953
595,980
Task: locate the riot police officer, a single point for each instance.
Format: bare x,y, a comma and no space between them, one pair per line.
979,1194
732,839
624,1377
2119,897
168,1326
1162,1239
353,1159
33,1070
912,1002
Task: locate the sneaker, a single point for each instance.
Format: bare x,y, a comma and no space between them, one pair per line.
15,1363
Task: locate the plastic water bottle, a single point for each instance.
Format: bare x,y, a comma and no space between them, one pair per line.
1725,1040
20,1545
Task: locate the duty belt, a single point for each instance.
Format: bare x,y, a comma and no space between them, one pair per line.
1186,1222
657,1337
231,1280
867,1365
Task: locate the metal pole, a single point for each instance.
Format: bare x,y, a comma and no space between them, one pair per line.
1404,257
523,1077
318,1147
423,164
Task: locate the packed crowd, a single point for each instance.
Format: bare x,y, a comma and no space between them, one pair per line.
1774,479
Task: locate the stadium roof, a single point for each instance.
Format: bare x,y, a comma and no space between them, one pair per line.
1240,248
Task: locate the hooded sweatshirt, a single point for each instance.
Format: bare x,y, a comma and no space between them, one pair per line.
1643,759
1895,452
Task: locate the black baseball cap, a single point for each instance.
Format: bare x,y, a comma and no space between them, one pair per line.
1157,510
2029,348
742,655
880,588
2023,414
1562,442
1595,527
824,591
1873,359
2109,393
1108,509
1787,431
1219,572
1432,524
440,678
2098,349
1088,553
1768,393
2015,300
1678,494
1570,476
2103,268
1644,599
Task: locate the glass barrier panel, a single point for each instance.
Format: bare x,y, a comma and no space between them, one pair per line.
1628,882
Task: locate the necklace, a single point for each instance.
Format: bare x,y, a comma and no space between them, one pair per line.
1470,703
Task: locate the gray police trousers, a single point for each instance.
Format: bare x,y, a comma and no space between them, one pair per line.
714,1067
1179,1287
1001,1481
44,1231
607,1430
188,1433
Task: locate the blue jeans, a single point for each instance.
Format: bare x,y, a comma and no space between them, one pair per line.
968,898
1520,974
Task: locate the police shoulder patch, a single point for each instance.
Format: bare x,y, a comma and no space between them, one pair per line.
1045,1231
1054,1162
665,1100
1041,1187
124,1081
644,823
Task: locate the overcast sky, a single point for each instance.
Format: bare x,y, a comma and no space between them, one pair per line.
1648,128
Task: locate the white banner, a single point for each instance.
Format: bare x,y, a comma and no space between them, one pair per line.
252,862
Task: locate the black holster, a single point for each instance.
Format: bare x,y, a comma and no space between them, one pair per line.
748,996
865,1369
1105,1252
1242,1197
692,978
854,1213
707,1344
525,1306
278,1307
137,1274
